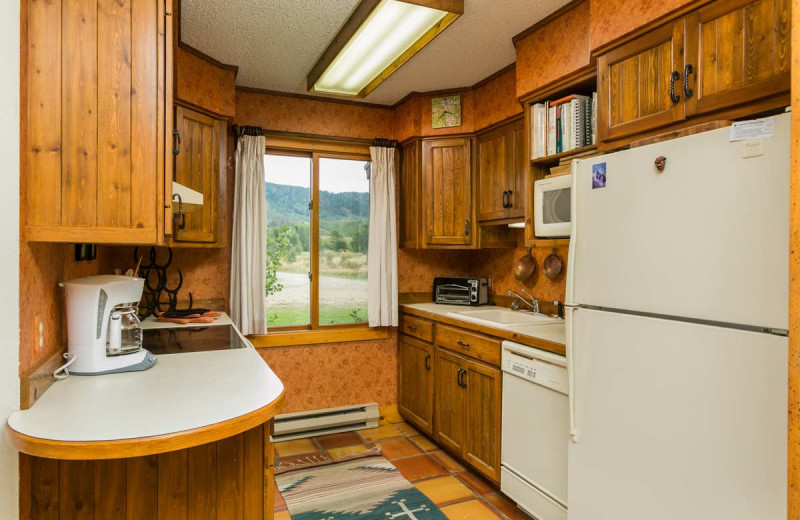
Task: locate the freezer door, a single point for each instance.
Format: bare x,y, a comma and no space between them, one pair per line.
676,421
707,238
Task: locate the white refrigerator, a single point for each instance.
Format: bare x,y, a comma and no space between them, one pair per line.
677,318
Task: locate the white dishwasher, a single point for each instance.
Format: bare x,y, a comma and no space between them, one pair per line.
535,431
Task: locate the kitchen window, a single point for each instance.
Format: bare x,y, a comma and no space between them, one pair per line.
317,225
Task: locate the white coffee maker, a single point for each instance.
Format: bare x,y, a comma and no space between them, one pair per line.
104,333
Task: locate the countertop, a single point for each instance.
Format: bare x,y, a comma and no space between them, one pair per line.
198,394
546,336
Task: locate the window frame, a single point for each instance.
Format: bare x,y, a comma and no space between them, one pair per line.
314,333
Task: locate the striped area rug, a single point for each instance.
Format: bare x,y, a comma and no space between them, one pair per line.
365,488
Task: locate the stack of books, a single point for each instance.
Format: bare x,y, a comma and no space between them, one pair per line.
563,125
565,163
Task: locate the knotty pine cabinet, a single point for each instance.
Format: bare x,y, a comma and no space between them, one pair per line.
448,212
728,58
415,382
410,178
99,100
200,165
450,387
501,172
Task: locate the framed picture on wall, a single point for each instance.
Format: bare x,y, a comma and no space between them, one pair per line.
446,111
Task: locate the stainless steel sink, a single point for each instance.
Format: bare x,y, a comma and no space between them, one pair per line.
503,318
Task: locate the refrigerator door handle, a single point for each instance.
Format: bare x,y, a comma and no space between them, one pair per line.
569,311
573,239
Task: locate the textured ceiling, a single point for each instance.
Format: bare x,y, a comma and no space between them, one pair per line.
275,43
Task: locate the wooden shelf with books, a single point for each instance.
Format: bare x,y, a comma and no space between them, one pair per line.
571,102
569,154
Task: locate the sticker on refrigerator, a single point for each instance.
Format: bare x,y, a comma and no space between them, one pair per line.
598,175
753,129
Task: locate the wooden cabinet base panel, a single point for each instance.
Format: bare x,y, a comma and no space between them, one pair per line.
231,479
92,235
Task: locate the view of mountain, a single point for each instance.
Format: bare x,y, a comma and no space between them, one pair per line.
288,203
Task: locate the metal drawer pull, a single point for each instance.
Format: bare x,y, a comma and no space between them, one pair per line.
508,200
462,344
505,199
427,365
412,328
466,228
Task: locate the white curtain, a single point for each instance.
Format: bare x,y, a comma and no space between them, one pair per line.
382,253
249,254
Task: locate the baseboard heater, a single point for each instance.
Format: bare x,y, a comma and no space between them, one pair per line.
326,421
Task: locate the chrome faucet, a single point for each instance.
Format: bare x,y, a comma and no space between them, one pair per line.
533,303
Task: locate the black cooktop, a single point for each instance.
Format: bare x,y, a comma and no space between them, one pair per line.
191,339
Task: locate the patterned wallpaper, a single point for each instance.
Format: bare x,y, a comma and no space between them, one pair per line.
204,84
546,55
610,19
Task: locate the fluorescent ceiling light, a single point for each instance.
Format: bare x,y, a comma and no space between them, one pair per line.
379,37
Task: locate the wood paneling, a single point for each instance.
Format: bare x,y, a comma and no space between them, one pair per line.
740,51
634,83
415,382
448,217
483,385
226,479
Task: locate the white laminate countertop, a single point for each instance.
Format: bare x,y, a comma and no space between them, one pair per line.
555,332
181,392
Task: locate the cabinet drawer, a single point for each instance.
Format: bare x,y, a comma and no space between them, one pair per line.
416,327
474,345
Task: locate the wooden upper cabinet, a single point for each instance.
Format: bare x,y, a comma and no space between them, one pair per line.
634,83
739,51
415,382
493,166
448,216
95,120
409,194
516,199
200,165
501,178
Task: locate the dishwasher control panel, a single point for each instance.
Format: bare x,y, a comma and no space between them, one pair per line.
539,371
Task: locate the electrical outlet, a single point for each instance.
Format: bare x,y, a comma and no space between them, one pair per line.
38,335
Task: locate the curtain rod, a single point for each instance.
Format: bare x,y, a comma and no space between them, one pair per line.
385,143
246,130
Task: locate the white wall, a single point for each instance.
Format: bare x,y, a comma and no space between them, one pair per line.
9,241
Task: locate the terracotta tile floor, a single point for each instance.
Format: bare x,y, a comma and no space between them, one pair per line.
460,493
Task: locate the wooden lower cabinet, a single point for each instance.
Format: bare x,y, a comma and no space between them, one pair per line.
415,382
450,401
231,479
468,404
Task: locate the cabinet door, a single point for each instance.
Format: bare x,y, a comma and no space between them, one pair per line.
409,180
415,382
740,52
447,195
450,400
493,165
516,181
633,84
198,166
95,100
482,444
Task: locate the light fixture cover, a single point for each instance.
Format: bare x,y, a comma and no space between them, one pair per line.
390,31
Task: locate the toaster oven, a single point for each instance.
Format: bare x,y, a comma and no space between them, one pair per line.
461,291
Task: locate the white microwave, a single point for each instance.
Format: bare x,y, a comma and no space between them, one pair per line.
552,212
